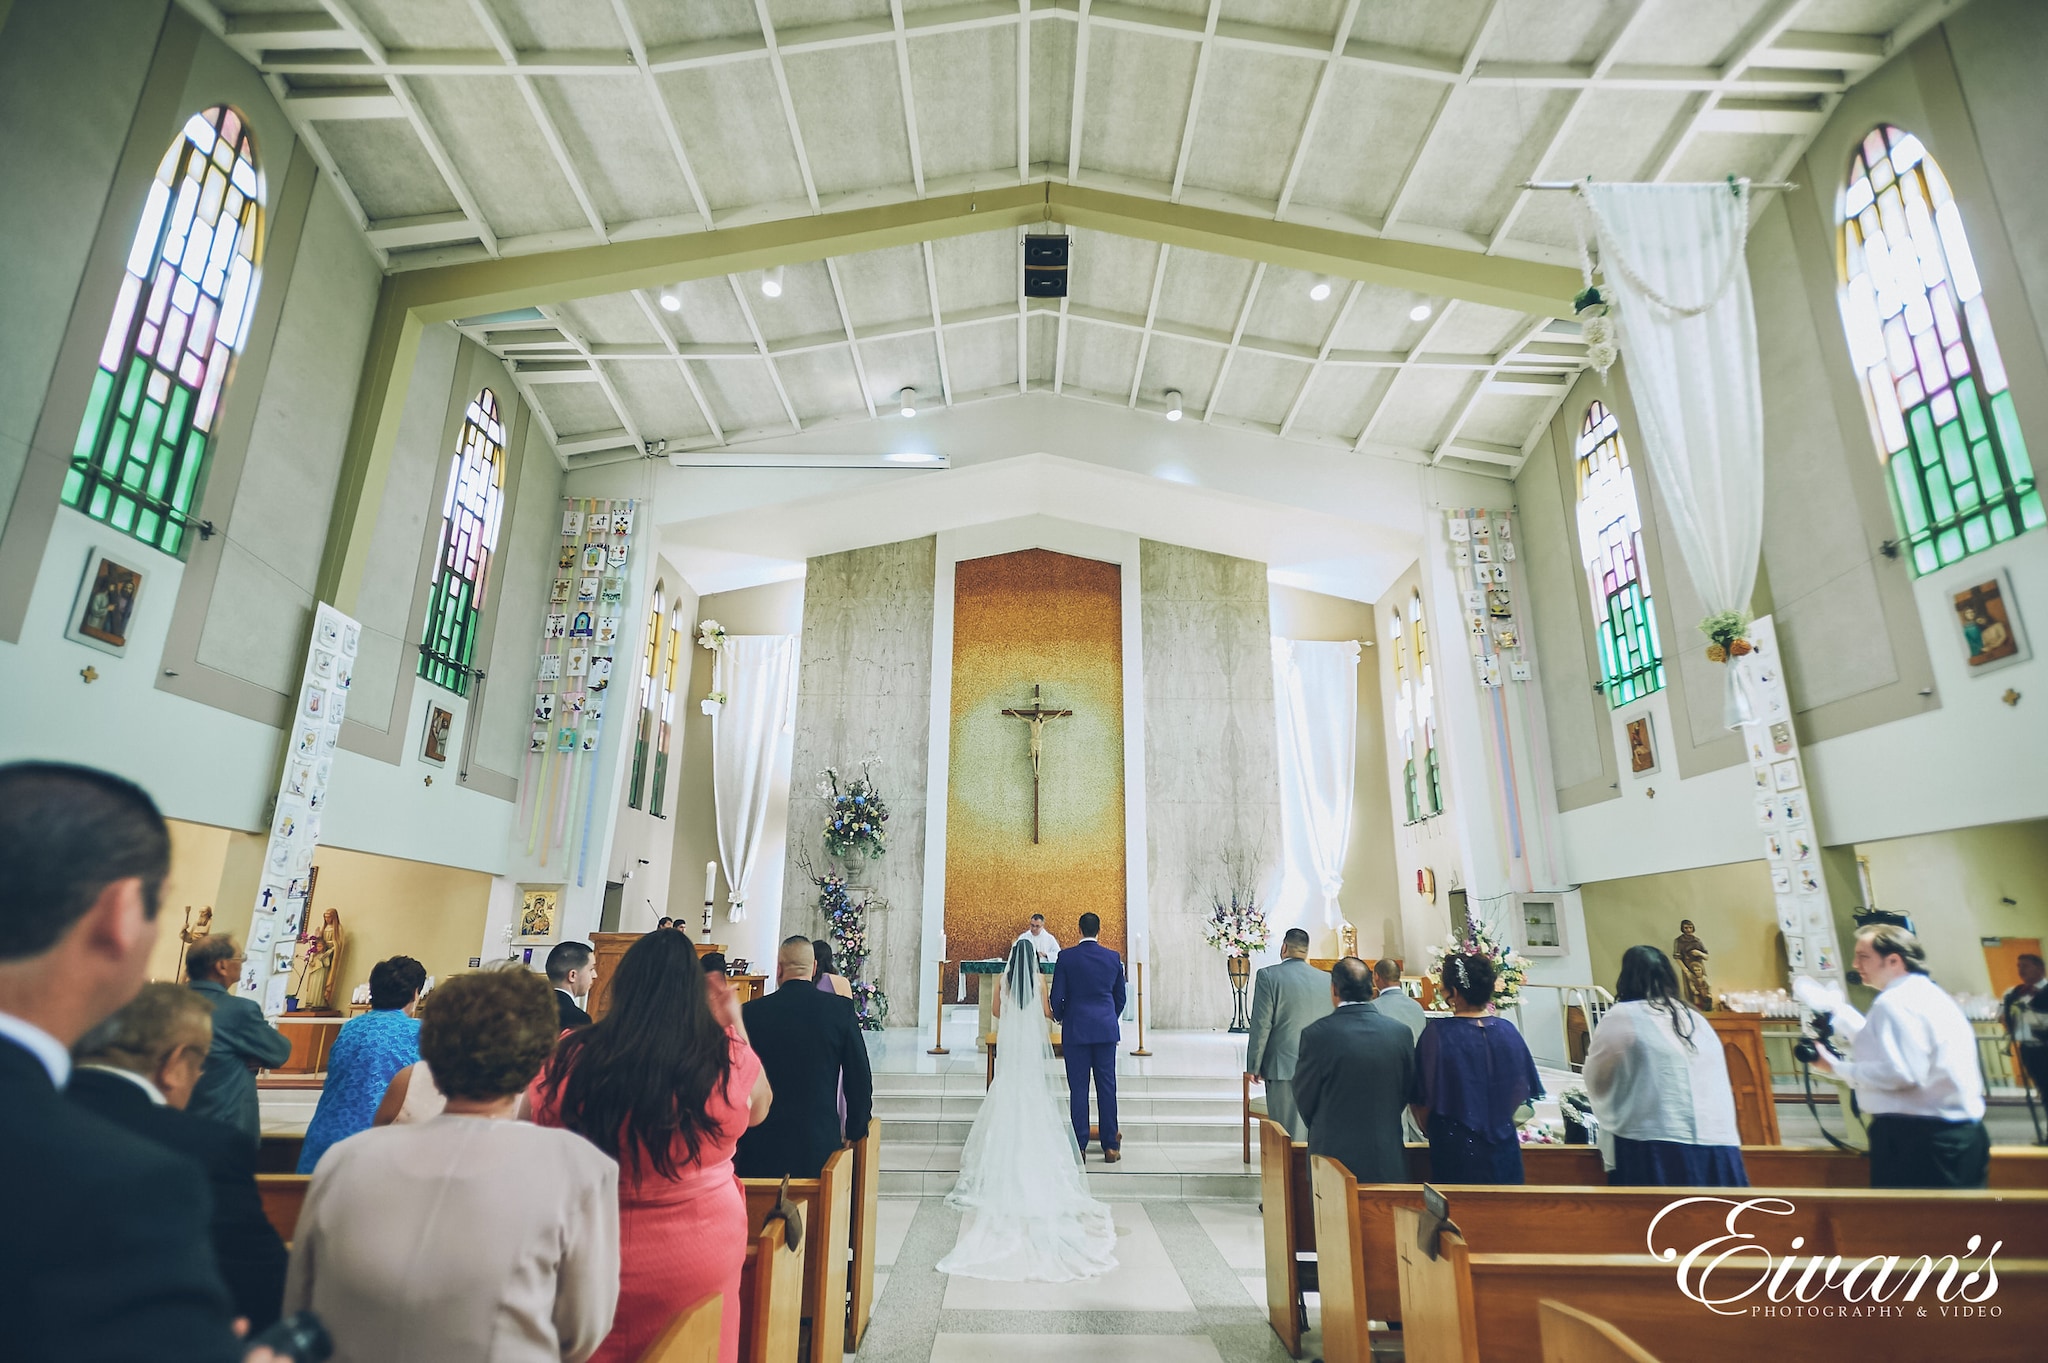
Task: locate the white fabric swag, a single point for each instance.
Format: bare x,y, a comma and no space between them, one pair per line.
1315,695
1673,259
757,674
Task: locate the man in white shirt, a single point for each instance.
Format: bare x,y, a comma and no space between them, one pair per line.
1044,943
1913,1064
2025,1010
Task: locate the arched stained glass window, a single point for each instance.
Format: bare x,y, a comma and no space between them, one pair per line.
180,319
666,720
1920,337
1611,545
643,739
1404,716
1429,785
469,534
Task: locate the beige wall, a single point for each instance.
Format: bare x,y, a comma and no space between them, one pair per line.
1371,881
1956,884
1731,907
198,852
1413,922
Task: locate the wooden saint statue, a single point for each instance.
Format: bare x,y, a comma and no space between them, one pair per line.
312,986
1689,954
191,933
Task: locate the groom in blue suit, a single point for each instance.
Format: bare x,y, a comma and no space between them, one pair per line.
1087,1000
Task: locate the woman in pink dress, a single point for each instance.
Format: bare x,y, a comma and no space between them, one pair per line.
664,1083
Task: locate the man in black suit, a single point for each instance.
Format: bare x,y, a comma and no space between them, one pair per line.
810,1044
1352,1079
137,1069
105,1255
572,970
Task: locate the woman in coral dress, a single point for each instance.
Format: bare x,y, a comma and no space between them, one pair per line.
665,1083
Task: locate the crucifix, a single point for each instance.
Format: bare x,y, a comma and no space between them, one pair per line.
1036,717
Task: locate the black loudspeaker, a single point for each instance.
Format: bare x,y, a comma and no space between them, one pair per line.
1045,266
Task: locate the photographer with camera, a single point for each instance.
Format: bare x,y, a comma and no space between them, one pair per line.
1913,1064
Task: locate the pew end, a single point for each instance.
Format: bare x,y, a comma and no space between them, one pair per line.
866,1208
1439,1318
771,1298
284,1197
1572,1336
1288,1229
692,1337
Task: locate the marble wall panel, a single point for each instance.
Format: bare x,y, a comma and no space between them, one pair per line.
1212,771
864,685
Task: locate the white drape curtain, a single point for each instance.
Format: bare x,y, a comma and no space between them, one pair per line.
1315,700
757,674
1673,260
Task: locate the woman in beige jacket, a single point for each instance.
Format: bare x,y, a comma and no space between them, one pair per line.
470,1236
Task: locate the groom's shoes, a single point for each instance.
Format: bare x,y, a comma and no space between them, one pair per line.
1112,1156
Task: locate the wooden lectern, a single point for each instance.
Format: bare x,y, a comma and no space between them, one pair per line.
610,946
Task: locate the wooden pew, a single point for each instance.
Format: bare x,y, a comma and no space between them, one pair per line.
1572,1336
1288,1200
284,1196
692,1337
827,1203
1470,1304
771,1298
866,1207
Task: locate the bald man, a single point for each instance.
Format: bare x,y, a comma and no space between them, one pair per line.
810,1044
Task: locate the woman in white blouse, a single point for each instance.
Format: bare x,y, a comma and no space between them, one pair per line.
1659,1085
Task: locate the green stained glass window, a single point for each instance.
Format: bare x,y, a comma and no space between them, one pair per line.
181,317
469,535
1611,546
643,738
1932,378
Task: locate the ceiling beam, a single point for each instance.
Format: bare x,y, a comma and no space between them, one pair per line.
664,114
796,132
550,134
1244,315
1187,123
668,339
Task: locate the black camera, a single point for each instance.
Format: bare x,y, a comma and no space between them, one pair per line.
301,1338
1817,1032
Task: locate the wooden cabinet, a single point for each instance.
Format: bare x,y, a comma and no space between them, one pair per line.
1749,1074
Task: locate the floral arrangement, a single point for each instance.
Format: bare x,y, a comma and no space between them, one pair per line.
856,825
846,923
1597,326
1729,630
1237,927
1509,969
711,635
1539,1133
712,703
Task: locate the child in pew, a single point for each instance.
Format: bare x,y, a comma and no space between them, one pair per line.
1473,1072
1659,1085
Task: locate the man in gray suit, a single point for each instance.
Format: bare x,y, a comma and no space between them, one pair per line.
1285,998
1391,999
1353,1079
243,1040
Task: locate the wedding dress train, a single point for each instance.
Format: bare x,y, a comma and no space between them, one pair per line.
1030,1217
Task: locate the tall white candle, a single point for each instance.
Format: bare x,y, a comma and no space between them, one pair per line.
942,946
710,881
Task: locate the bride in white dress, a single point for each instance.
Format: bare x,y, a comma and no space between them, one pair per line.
1030,1217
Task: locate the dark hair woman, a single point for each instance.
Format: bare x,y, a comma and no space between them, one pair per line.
829,980
1659,1085
665,1083
1473,1072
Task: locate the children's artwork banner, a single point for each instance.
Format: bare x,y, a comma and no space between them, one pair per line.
314,729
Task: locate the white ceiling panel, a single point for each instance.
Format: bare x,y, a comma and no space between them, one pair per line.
1254,106
1189,366
821,383
959,79
732,125
1420,404
742,395
978,271
1102,358
981,358
1338,402
485,123
1261,388
382,159
1137,97
1113,273
613,135
656,398
576,408
850,108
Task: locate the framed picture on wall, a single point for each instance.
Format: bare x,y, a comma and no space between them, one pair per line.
105,609
539,914
1990,625
434,741
1642,746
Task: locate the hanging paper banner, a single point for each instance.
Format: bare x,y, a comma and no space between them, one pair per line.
275,949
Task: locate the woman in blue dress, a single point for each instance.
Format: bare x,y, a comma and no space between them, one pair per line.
1472,1071
370,1050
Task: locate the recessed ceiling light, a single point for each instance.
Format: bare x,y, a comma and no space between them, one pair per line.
911,457
1320,291
908,398
670,301
771,283
1419,313
1173,404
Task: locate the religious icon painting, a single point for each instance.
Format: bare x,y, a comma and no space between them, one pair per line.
327,632
1460,529
1498,603
1800,847
1806,880
572,524
576,661
540,909
543,707
1792,809
558,594
1642,746
434,740
323,663
1518,671
550,667
1767,816
565,740
1785,775
308,742
1774,847
565,557
607,630
600,673
1781,737
588,741
1817,916
1795,952
1990,626
593,558
613,592
1482,552
102,613
598,524
1781,879
556,626
581,627
617,557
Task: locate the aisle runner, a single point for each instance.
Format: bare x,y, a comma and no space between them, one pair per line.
295,823
558,789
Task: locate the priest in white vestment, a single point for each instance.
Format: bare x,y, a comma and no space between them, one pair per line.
1044,943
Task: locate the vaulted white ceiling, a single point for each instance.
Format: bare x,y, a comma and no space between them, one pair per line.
464,129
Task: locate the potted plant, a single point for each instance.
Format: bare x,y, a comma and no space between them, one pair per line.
1237,928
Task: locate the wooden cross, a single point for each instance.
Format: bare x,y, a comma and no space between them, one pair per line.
1036,717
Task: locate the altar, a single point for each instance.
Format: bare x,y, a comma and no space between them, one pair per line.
988,978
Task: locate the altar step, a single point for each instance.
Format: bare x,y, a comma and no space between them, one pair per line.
1188,1172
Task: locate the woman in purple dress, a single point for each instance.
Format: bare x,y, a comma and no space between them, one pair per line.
1472,1071
830,981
